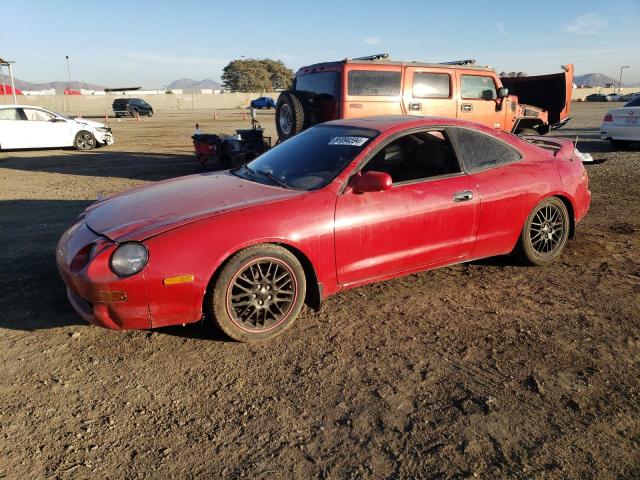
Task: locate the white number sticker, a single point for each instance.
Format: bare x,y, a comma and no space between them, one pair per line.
352,141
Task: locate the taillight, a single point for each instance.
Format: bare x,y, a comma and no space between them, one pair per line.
608,118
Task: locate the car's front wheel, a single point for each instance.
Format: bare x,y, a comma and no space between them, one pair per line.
545,233
150,113
258,293
84,141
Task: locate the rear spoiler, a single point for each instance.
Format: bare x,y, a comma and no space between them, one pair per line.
550,92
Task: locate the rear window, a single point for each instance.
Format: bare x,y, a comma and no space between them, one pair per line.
320,83
479,151
431,85
374,83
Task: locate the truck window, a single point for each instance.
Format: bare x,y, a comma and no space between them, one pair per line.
477,86
374,83
431,85
320,83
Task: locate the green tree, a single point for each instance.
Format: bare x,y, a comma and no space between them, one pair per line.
253,75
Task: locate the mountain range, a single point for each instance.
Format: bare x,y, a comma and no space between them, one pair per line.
189,84
594,80
60,86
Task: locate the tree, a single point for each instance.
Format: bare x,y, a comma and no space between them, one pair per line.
254,75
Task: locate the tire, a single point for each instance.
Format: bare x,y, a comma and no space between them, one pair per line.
243,304
528,131
619,144
133,113
84,141
150,113
545,233
290,115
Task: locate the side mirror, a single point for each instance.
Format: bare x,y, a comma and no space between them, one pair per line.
503,92
372,182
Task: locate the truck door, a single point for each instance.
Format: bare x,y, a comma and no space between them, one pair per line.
479,100
372,91
429,91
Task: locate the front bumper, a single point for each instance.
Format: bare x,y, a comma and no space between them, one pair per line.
97,294
103,137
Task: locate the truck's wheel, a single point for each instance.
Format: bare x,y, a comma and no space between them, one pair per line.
290,115
258,293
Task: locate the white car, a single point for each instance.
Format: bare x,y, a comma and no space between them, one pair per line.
25,126
622,125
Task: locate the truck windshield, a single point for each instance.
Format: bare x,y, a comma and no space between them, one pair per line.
310,160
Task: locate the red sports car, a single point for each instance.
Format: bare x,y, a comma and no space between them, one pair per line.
340,205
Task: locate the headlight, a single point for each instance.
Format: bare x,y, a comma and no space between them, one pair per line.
129,258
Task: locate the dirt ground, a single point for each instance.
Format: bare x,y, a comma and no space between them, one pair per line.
484,370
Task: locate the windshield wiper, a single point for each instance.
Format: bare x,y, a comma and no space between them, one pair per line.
271,176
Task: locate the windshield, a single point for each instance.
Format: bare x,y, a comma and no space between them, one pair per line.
310,160
634,103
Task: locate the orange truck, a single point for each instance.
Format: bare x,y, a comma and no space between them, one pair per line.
376,85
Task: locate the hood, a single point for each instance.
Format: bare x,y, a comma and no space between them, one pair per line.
147,211
89,123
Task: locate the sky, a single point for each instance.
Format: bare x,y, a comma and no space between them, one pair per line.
151,43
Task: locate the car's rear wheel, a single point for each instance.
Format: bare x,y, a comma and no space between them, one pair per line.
545,233
84,141
290,115
258,293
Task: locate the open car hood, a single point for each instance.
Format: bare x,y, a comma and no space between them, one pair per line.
150,210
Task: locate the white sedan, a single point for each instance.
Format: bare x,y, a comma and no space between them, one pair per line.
24,126
622,125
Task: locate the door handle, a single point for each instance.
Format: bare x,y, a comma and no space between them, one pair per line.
463,196
466,107
415,107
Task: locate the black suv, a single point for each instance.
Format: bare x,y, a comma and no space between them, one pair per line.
131,106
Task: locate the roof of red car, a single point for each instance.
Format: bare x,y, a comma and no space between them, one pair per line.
382,123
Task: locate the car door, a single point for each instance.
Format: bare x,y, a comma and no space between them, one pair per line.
478,100
508,186
428,91
12,133
428,217
44,130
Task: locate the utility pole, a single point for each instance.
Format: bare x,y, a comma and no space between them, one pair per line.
620,81
68,82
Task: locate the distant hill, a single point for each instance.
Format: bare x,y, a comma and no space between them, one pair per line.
189,84
594,80
60,86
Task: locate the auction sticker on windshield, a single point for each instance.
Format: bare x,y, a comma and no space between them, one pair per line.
352,141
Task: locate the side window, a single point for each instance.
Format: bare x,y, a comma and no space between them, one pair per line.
431,85
374,83
9,114
416,156
477,86
37,115
478,151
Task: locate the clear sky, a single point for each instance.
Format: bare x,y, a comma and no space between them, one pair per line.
151,43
